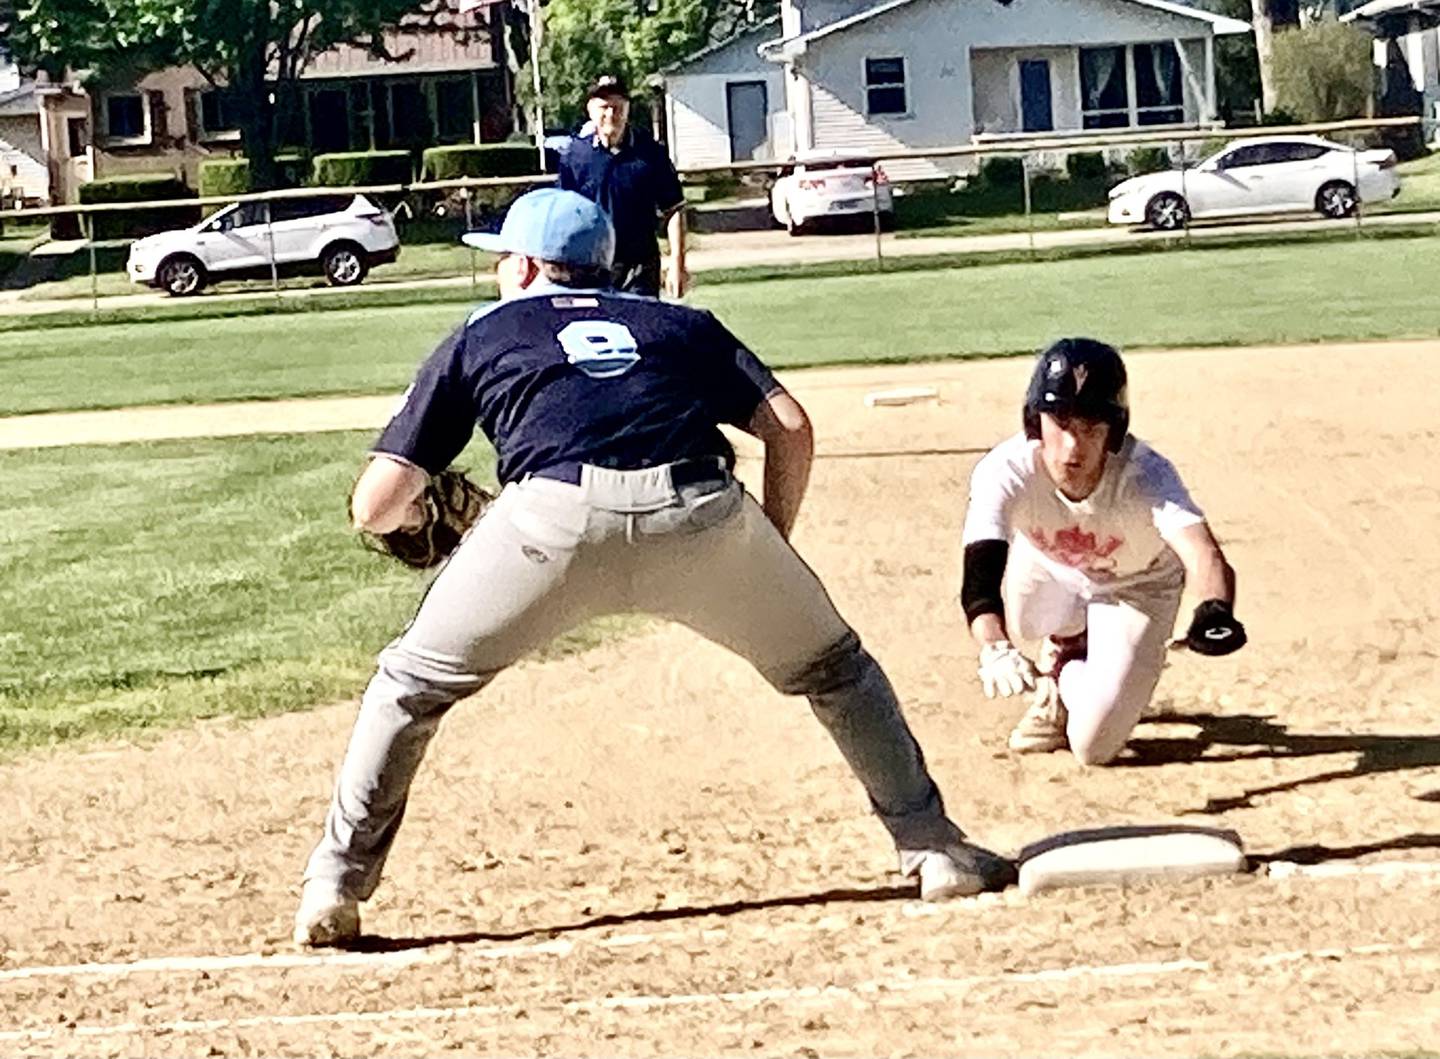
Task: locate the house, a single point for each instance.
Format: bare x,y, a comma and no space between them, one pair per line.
903,75
447,84
24,175
1407,53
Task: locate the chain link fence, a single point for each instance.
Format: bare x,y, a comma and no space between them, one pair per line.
1034,196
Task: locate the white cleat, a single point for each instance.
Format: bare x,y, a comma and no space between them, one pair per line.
1042,727
962,870
326,916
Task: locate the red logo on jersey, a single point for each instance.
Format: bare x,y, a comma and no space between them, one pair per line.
1074,547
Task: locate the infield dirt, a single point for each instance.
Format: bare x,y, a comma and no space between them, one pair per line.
642,849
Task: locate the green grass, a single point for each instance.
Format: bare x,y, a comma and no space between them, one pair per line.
1338,289
982,209
145,586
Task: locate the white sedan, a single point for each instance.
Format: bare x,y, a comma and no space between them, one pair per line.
1256,176
819,185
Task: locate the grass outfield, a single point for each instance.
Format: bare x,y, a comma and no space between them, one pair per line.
1340,290
145,586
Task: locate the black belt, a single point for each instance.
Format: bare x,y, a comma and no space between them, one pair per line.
703,470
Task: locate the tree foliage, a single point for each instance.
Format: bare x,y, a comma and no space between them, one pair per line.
583,38
256,47
1323,72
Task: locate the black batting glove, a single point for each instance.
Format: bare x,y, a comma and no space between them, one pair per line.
1215,630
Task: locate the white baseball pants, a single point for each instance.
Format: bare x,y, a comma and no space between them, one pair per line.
1129,630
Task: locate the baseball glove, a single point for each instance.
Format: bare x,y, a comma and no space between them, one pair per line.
451,503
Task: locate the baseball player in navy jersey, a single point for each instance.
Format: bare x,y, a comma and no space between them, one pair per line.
1083,537
617,496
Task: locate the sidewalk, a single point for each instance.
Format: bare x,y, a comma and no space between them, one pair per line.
732,250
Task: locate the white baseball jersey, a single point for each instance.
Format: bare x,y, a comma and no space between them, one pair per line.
1113,539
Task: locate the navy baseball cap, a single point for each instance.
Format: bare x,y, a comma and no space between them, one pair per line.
552,225
607,85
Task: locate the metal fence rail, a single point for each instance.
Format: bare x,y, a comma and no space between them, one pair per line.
1026,148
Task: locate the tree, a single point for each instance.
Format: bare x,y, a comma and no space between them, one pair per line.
257,48
1323,72
1266,16
634,38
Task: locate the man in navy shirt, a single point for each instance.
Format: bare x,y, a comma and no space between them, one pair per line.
623,169
618,496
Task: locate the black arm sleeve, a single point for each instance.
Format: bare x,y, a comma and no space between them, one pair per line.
984,570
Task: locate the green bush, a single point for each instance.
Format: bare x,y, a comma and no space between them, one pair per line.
1323,71
1085,165
1001,171
360,168
224,176
1143,160
140,187
479,160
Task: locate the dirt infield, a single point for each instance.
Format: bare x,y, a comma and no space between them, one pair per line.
643,850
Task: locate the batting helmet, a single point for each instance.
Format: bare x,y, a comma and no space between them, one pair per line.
1079,377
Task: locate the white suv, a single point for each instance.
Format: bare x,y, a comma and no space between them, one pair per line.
341,237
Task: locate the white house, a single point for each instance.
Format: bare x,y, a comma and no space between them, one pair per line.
903,75
24,175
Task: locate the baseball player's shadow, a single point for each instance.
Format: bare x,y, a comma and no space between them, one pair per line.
375,943
1267,739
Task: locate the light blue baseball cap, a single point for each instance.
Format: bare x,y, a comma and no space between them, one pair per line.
552,225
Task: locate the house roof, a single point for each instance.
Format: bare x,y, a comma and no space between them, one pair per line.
787,46
19,100
1378,8
719,45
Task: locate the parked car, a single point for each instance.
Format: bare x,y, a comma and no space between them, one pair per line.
1256,176
340,237
818,185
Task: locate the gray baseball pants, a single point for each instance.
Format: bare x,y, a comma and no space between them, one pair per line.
549,555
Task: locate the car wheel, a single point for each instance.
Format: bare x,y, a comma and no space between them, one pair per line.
181,276
1336,200
1167,212
343,265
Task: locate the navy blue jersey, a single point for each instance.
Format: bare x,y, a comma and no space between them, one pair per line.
634,184
561,377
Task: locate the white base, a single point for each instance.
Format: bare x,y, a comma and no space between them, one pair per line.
1117,856
901,395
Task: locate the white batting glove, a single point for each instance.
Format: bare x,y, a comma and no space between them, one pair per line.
1004,671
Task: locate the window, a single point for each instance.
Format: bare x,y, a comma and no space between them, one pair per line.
1159,97
1104,88
454,111
1127,85
299,209
125,118
885,86
77,136
1296,152
1241,157
218,114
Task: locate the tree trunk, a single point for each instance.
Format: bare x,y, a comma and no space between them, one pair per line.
257,128
257,109
1264,26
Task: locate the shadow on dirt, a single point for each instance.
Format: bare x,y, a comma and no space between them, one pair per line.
655,915
1318,854
1256,737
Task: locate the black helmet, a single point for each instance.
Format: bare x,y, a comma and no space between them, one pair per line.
1079,377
